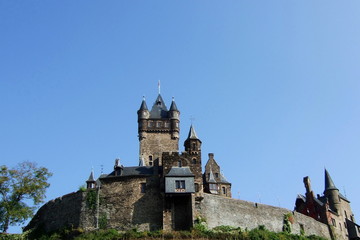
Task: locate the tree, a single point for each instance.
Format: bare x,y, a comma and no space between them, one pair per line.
18,187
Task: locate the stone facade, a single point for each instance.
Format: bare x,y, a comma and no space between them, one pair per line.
169,190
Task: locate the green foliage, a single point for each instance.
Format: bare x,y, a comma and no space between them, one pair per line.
288,219
91,199
103,222
218,233
82,188
24,182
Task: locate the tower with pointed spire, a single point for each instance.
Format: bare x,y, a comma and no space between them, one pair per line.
332,208
158,131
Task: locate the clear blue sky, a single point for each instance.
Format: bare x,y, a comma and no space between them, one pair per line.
273,87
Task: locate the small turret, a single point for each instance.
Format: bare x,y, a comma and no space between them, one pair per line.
174,116
332,193
143,115
192,144
91,183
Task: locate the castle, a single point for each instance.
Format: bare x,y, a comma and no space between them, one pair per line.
168,190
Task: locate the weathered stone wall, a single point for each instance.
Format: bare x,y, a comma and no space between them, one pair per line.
155,143
125,207
225,211
65,211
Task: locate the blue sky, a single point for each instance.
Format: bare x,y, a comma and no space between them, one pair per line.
273,87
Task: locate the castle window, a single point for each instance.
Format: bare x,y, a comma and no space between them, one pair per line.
150,163
150,124
143,187
346,214
179,163
345,225
333,222
224,190
216,175
197,187
180,184
194,160
150,158
167,124
194,146
213,186
340,226
158,124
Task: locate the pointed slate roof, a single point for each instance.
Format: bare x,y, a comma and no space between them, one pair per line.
159,109
211,177
91,177
173,106
222,178
192,133
143,105
329,184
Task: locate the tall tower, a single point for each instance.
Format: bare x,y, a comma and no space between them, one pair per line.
332,193
158,131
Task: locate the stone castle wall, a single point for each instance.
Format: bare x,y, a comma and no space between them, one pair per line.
65,211
125,206
238,213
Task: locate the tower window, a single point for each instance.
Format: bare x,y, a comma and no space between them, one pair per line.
158,124
150,124
213,186
180,184
194,146
196,187
167,124
194,160
224,190
150,158
143,187
216,175
179,163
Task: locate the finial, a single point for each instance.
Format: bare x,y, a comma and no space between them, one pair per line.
143,98
173,98
159,85
192,119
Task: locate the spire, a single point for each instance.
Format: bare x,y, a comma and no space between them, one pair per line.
173,106
143,105
192,133
329,184
91,177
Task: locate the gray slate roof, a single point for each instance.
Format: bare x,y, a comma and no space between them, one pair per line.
192,133
173,106
180,172
132,171
159,109
329,184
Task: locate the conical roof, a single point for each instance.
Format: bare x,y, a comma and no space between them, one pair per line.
173,106
159,109
91,177
143,105
329,184
192,133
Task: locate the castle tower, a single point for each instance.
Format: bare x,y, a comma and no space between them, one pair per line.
91,183
158,131
332,193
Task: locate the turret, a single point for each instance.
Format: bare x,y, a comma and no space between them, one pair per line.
143,115
332,193
192,144
91,183
174,116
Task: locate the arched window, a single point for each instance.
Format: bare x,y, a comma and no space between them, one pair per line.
179,163
194,160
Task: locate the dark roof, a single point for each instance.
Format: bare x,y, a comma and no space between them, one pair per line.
343,197
329,184
159,109
143,105
173,106
132,171
180,172
192,133
91,177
